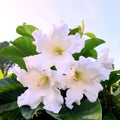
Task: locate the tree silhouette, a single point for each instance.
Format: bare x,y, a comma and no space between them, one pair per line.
5,63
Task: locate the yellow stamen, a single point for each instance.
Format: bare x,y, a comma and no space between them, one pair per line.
78,75
58,50
44,79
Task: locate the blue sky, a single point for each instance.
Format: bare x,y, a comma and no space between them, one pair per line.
101,17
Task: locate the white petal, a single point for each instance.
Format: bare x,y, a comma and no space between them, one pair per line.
40,39
20,73
91,92
53,101
30,98
73,95
77,43
39,62
105,61
60,31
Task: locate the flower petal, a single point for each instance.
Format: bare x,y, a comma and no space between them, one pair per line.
40,39
73,95
77,43
53,101
91,92
31,98
105,61
59,31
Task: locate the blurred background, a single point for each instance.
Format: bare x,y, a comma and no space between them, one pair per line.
101,17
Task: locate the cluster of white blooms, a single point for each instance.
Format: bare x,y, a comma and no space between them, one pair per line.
78,78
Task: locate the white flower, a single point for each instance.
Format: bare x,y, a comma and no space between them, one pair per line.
83,77
41,87
105,61
57,45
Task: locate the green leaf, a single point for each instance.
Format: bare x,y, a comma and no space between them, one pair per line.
13,54
85,111
11,115
20,48
90,35
109,116
26,30
91,44
88,50
28,113
93,53
114,77
25,46
10,89
75,30
8,106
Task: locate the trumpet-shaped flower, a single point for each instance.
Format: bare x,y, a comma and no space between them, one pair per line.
57,45
83,77
41,88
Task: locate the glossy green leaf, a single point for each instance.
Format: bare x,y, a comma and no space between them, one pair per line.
10,89
25,46
20,48
75,30
93,54
88,50
91,44
26,30
90,35
11,53
85,111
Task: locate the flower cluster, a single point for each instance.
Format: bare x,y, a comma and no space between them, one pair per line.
76,77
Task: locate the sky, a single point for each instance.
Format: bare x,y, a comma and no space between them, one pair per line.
101,17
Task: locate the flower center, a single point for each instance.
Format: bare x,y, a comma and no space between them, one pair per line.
58,50
44,79
78,75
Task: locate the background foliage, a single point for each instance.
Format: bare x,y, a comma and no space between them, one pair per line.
5,63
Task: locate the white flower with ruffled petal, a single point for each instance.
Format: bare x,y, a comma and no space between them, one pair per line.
41,87
57,46
83,77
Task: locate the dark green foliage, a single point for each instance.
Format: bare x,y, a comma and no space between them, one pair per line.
110,97
85,111
10,89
